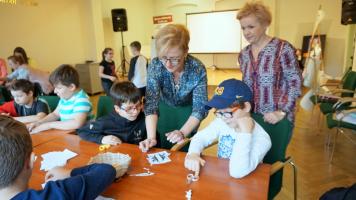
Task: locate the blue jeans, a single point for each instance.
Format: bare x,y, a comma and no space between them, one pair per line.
106,86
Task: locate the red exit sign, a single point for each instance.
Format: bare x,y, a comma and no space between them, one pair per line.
162,19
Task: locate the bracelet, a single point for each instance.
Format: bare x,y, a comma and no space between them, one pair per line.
181,132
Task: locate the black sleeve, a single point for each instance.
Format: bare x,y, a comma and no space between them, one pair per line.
132,67
93,131
41,107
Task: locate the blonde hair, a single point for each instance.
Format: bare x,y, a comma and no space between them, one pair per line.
258,9
172,35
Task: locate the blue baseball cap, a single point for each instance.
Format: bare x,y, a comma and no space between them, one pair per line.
228,92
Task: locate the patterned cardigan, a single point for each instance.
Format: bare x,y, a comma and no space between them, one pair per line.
274,77
191,90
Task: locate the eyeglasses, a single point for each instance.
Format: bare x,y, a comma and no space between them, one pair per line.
131,109
173,61
226,115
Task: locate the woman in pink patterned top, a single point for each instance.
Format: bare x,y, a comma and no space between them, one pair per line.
3,70
269,66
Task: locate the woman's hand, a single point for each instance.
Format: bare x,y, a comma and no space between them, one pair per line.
147,144
111,139
193,162
274,117
175,136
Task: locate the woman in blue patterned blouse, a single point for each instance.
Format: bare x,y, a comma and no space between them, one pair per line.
176,90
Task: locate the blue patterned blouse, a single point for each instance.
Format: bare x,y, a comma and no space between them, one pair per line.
191,89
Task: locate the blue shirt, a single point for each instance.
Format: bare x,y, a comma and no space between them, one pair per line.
191,90
85,183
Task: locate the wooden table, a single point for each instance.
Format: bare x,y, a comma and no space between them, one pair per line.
46,136
169,180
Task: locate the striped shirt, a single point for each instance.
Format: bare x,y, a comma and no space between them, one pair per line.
78,103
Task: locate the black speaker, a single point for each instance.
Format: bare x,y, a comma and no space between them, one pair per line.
348,14
119,19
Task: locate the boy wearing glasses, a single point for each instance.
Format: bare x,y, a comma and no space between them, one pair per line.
126,123
241,139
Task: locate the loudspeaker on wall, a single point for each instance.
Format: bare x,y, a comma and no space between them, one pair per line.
348,13
119,19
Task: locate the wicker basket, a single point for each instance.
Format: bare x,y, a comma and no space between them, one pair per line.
119,161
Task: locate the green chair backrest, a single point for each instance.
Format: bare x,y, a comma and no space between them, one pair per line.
52,101
349,83
280,136
105,106
171,118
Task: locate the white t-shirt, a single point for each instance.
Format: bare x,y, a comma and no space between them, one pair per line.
245,150
140,74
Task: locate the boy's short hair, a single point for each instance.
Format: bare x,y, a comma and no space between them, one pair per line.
136,45
15,148
66,75
123,92
23,85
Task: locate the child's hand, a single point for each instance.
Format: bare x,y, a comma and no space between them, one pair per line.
175,136
57,173
5,114
40,128
110,139
193,162
32,126
147,144
113,78
245,124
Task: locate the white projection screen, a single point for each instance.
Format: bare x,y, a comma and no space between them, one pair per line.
215,32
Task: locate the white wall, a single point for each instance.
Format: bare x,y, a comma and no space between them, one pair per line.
179,8
296,19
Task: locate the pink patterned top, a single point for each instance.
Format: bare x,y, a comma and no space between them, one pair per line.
274,78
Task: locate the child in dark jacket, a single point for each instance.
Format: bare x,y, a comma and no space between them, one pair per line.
126,123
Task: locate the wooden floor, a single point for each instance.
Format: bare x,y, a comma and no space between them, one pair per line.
315,174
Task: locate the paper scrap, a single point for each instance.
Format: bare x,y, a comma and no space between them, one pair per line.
103,198
56,159
158,158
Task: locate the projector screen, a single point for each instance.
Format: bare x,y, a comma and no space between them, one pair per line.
215,32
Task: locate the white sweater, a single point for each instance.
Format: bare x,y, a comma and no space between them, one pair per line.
245,150
140,76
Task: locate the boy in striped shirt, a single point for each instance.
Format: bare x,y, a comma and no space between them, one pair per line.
74,107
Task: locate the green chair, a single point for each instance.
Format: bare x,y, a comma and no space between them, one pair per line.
52,101
280,136
348,90
170,119
105,106
337,119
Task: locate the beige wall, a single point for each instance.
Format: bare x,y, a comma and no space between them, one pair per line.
67,31
53,33
140,25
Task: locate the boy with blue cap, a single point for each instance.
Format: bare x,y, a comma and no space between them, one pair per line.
240,138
